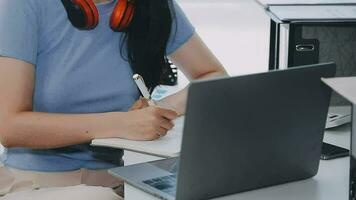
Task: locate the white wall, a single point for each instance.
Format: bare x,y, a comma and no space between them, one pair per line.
237,31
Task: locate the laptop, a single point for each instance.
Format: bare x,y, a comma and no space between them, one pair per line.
243,133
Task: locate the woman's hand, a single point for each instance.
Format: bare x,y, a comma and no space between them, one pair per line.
148,123
139,104
144,124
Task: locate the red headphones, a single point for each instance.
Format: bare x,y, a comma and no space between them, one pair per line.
84,14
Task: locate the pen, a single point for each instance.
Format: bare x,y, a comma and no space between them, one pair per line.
143,89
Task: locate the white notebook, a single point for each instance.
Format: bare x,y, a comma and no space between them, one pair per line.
168,146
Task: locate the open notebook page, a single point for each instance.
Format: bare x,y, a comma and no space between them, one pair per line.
168,146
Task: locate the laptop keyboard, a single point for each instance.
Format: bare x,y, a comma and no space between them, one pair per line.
166,184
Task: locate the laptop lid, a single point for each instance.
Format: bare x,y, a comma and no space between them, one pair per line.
248,132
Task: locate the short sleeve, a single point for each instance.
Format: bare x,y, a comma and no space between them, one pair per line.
182,29
18,30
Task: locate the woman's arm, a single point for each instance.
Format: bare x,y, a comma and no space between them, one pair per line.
197,62
21,127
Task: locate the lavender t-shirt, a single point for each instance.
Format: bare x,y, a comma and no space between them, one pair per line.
76,72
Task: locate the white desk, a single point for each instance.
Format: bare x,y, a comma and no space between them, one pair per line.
331,182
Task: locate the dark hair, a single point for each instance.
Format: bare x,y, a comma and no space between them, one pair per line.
146,39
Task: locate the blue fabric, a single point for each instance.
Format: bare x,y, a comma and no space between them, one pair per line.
76,72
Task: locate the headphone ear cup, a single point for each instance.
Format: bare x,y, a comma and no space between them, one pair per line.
91,12
83,14
75,15
122,16
126,21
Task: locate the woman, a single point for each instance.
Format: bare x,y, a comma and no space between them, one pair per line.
66,80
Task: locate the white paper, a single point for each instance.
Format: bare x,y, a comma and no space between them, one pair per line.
168,146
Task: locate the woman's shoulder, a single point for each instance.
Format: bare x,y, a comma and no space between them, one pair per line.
20,6
28,9
27,5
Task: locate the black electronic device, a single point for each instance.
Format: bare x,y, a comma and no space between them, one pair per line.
329,152
238,139
170,76
302,42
